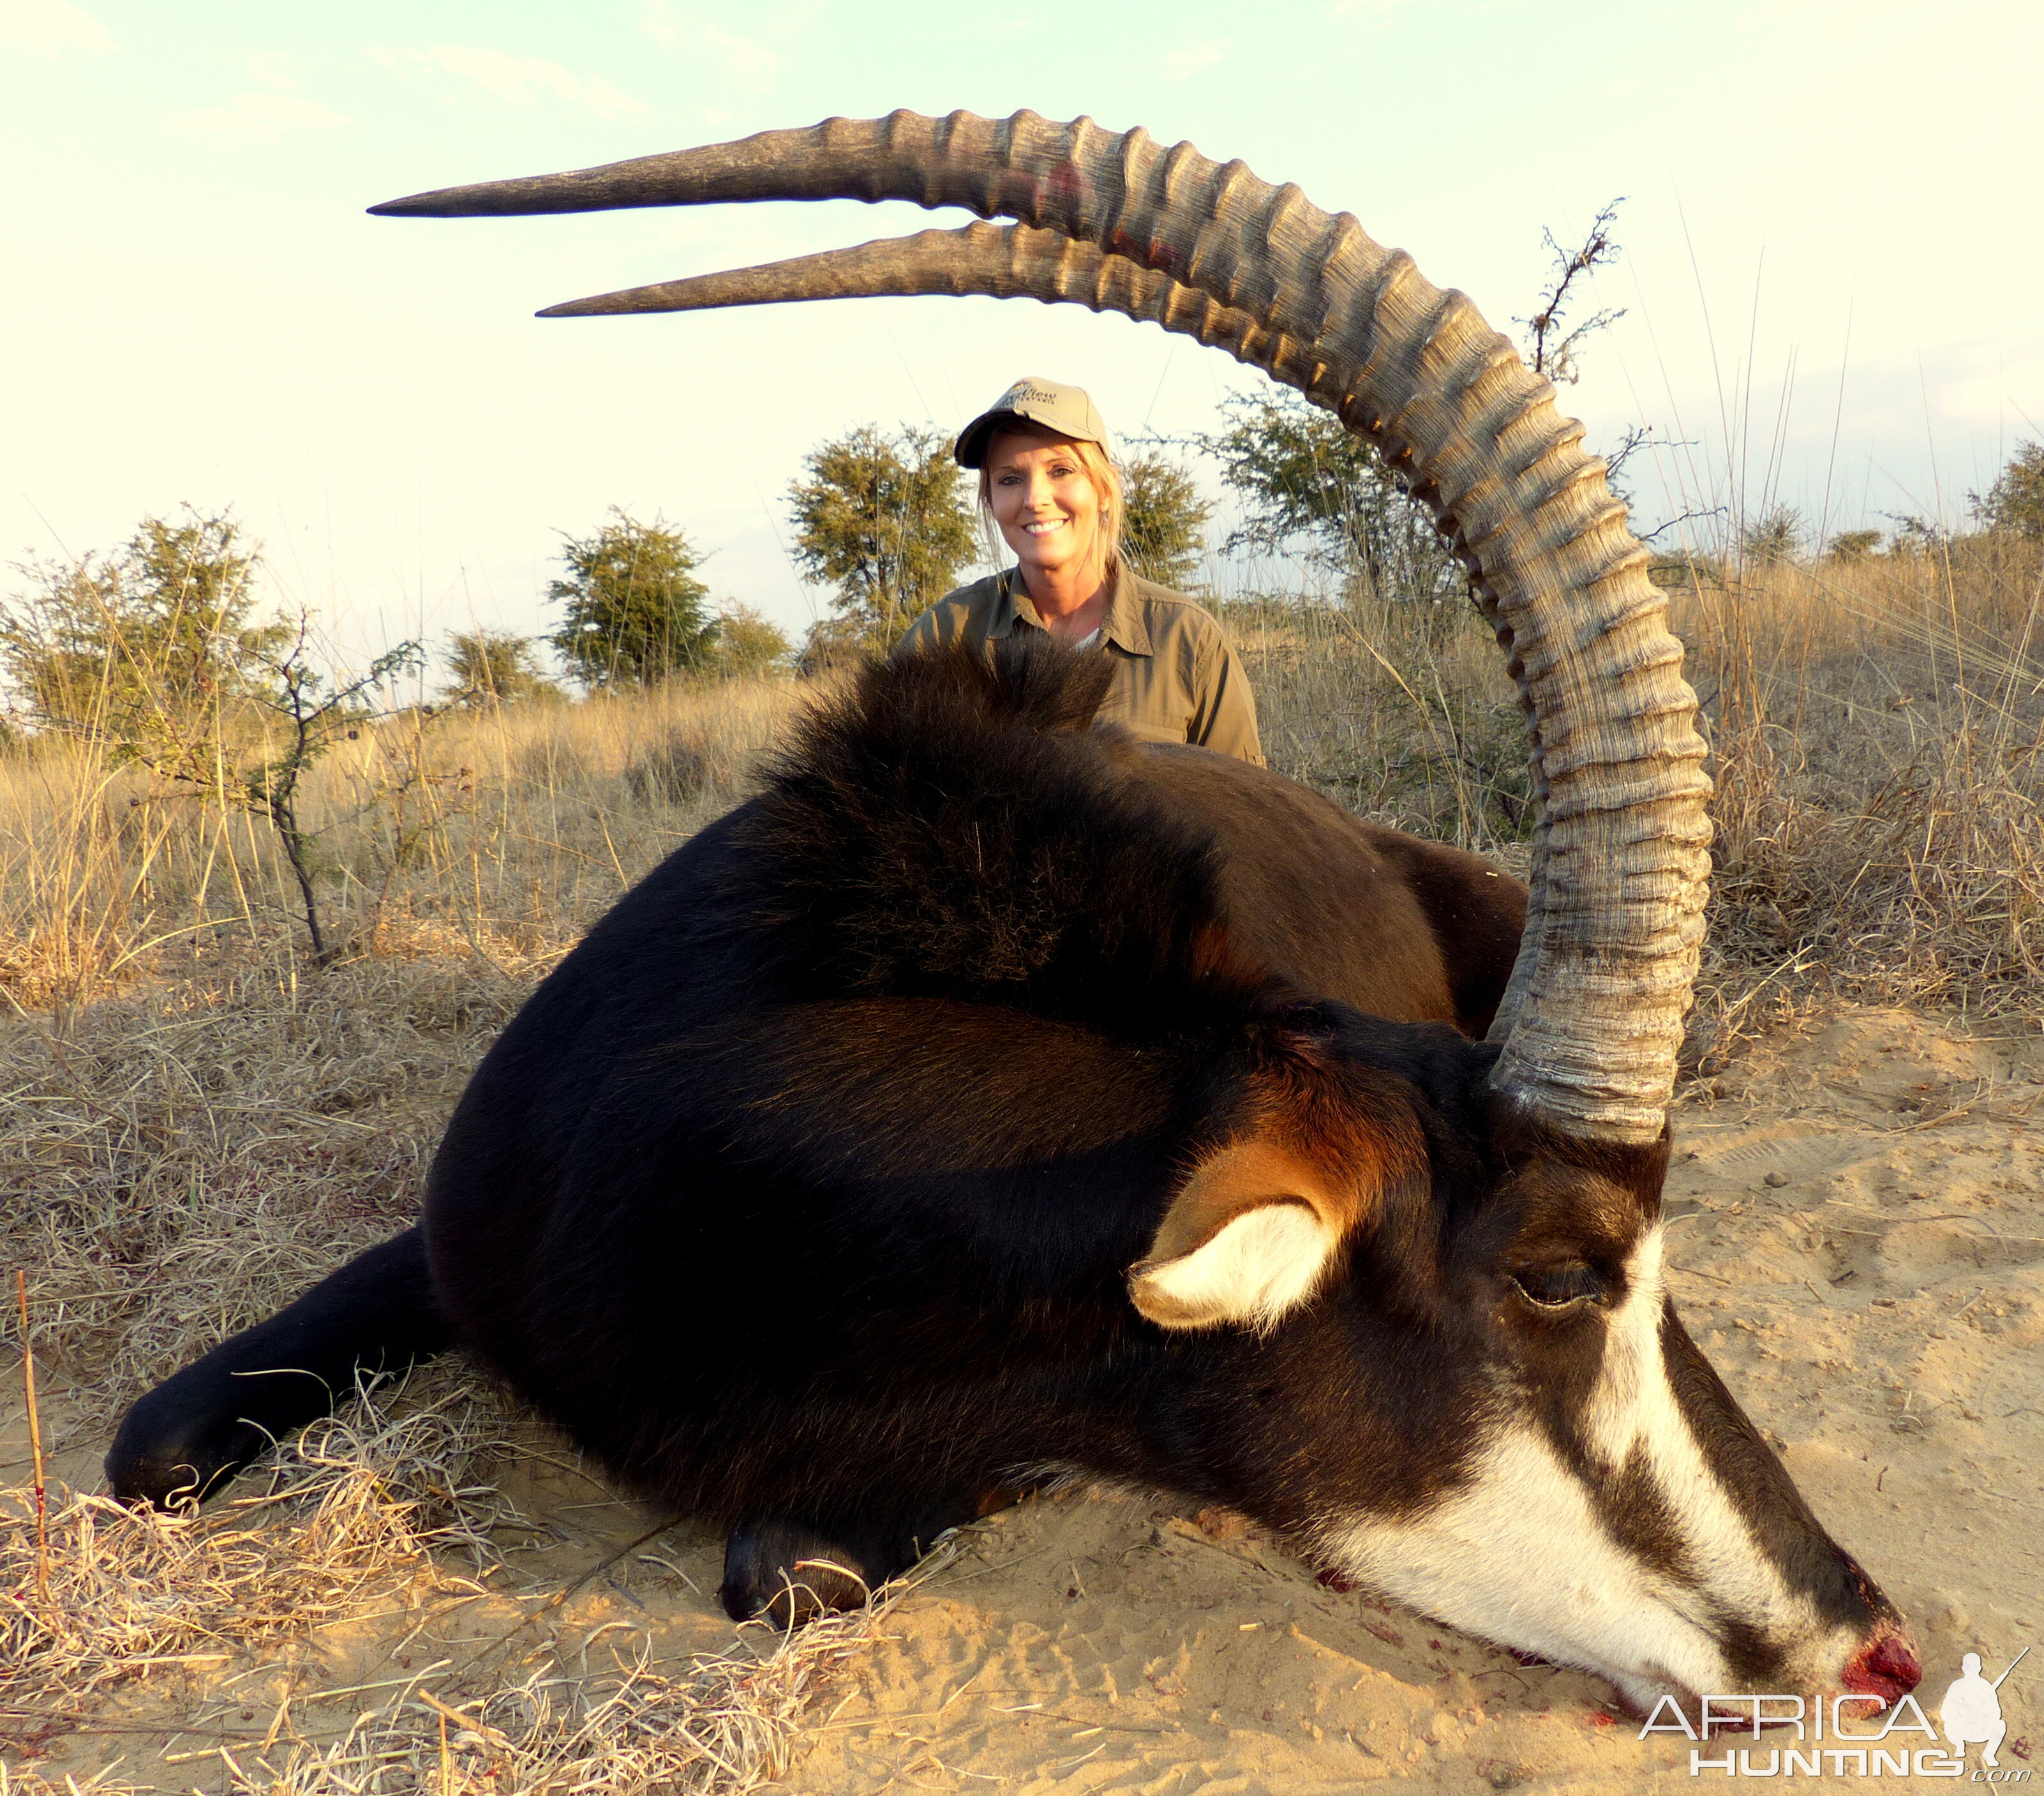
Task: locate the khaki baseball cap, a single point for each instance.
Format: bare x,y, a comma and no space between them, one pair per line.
1067,410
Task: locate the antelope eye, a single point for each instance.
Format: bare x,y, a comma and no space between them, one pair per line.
1559,1287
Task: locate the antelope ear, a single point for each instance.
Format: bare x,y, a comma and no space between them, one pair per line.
1245,1240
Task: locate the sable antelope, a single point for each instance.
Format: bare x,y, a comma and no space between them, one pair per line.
992,1094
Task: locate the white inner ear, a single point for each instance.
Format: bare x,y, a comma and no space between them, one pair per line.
1258,1266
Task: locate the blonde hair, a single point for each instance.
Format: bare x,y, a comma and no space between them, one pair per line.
1105,477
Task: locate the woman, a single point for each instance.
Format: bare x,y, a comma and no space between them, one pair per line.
1045,479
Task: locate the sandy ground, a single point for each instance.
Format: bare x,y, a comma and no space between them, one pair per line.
1859,1247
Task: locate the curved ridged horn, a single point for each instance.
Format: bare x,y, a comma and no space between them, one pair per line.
987,261
996,261
1593,1015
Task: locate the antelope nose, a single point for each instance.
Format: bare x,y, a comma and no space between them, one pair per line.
1887,1668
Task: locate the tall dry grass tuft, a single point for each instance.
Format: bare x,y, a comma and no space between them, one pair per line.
501,832
1878,725
1401,711
77,859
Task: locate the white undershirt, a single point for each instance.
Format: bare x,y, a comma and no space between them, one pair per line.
1091,641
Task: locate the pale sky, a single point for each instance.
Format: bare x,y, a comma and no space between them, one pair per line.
1834,272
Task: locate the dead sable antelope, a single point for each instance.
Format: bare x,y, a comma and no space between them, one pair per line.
993,1095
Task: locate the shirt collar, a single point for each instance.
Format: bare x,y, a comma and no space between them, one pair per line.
1122,625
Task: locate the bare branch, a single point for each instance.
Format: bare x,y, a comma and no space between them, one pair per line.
1554,350
1714,513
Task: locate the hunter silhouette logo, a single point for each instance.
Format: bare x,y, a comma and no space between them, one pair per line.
1971,1712
1849,1734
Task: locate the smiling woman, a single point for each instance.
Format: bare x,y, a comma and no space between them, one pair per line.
1045,480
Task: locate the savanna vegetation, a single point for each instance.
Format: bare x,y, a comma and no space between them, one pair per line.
259,913
206,1107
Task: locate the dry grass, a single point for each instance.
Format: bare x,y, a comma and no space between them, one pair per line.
498,833
1406,714
180,1159
194,1125
1879,732
362,1516
352,1508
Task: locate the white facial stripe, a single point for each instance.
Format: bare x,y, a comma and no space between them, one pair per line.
1635,1408
1727,1561
1521,1555
1263,1262
1633,1387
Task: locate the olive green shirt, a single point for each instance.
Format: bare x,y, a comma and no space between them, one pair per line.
1175,678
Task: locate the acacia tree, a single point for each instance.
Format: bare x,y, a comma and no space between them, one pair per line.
488,666
1554,344
1164,522
1775,538
163,629
2015,502
634,613
884,520
255,757
749,645
156,655
309,714
1306,482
